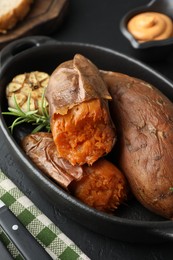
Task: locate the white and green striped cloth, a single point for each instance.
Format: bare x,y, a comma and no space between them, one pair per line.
57,244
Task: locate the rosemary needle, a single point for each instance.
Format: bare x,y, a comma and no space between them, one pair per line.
30,116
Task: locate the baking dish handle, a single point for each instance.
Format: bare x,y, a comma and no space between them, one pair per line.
18,46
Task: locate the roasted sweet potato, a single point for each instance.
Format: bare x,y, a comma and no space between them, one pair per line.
144,121
81,125
101,185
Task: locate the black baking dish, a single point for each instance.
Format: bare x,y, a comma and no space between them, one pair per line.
151,50
132,222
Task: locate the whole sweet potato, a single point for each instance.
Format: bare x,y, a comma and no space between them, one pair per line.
144,119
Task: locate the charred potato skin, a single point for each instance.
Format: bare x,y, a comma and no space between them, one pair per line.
144,120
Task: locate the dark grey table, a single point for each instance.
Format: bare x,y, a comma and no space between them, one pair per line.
95,22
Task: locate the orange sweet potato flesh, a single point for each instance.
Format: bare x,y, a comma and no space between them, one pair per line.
85,133
144,121
103,187
81,125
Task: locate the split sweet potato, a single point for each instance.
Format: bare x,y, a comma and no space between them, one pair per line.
101,186
81,125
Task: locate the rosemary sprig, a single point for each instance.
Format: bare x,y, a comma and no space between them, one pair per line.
30,116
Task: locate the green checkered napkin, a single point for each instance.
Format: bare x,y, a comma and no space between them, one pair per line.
58,245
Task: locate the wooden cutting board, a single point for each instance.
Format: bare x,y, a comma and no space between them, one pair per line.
44,18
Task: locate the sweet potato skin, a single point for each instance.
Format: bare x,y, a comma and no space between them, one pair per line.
144,121
42,151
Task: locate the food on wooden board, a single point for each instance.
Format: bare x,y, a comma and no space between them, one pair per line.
12,12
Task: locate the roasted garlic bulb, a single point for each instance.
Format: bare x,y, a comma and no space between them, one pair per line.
28,86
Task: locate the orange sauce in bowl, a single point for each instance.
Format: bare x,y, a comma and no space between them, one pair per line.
149,26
